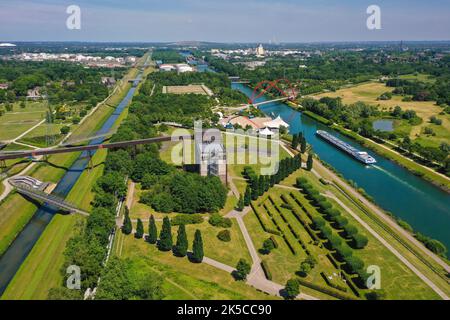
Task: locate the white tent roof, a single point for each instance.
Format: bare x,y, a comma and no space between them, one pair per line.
276,123
266,132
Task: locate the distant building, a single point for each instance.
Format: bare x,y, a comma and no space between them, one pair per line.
34,93
210,155
108,81
182,67
260,51
166,67
4,86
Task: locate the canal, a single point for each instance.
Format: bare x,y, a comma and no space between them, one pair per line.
17,252
425,207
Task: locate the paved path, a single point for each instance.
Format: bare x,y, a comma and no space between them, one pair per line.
286,187
390,248
257,278
130,194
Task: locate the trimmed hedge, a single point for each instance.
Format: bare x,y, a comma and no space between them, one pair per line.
332,292
186,219
266,270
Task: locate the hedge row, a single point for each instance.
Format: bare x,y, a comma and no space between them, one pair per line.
329,291
263,225
266,270
332,283
287,238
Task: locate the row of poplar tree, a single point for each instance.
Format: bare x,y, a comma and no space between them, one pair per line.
165,242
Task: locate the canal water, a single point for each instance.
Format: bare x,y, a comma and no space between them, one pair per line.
12,259
425,207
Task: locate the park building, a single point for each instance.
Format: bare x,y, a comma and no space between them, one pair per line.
210,155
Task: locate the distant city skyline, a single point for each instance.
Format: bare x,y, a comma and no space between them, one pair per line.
255,21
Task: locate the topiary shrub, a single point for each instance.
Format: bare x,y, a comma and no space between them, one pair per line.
341,221
318,222
224,235
350,230
360,241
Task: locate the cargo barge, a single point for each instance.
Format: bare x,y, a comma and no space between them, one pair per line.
361,156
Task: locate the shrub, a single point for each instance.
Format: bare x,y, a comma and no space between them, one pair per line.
305,268
268,246
354,264
341,221
64,130
332,213
335,241
324,205
292,289
360,240
217,220
224,235
318,222
344,250
242,270
326,232
350,230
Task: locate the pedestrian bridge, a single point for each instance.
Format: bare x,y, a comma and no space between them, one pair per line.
46,198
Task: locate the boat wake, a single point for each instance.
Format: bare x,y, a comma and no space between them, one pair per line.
397,178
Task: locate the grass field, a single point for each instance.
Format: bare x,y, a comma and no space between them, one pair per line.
183,279
369,92
15,122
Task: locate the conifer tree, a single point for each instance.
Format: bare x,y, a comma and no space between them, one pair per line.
197,247
295,141
152,231
165,238
139,229
248,196
303,145
241,203
309,162
127,227
261,185
181,247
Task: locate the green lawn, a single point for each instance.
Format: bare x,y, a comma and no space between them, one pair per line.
183,279
15,122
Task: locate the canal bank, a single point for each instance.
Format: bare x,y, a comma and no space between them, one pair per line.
425,207
19,249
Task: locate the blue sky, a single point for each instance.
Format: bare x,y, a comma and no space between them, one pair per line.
224,21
